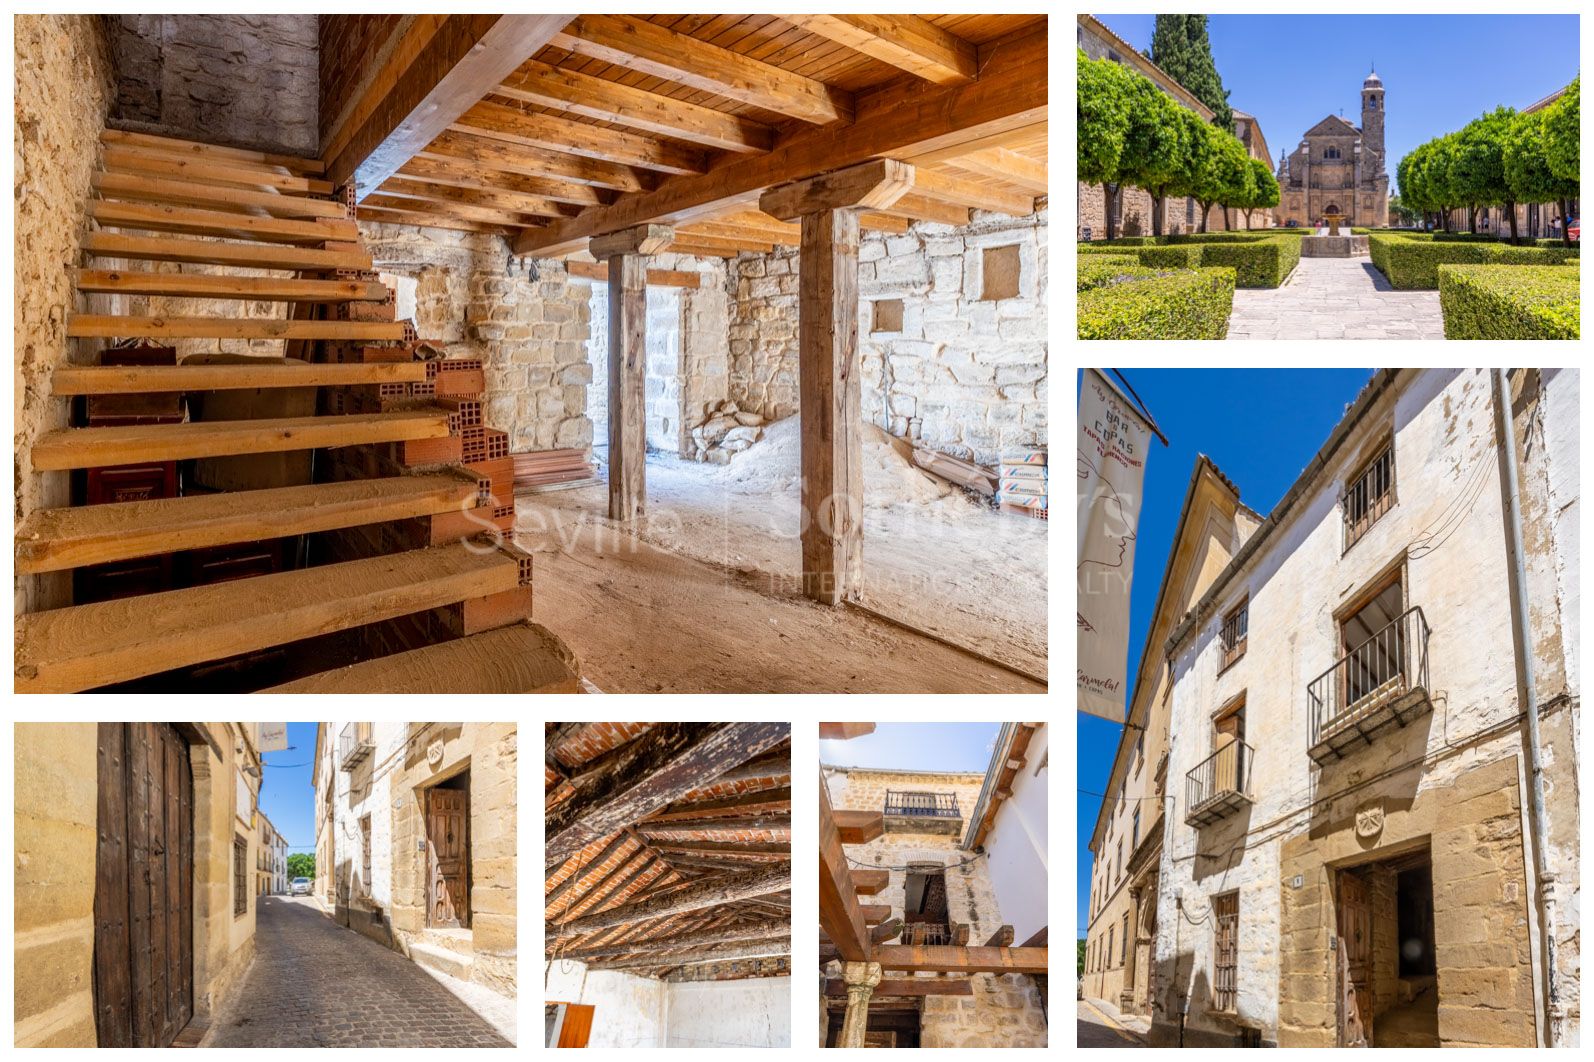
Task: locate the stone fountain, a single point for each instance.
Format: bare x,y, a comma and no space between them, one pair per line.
1332,244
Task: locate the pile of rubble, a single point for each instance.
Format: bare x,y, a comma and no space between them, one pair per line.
727,430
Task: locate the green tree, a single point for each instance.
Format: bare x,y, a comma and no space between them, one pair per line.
1479,170
1401,213
1263,190
1154,147
1180,46
1527,167
301,865
1224,177
1081,958
1561,133
1105,94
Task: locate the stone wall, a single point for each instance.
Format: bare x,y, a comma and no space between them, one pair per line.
249,80
962,374
527,320
63,88
1135,210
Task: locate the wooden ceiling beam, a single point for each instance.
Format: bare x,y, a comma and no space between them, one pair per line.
619,842
498,122
722,863
492,200
696,897
461,62
652,49
906,42
730,244
883,223
858,827
767,948
762,800
844,731
664,278
774,765
760,930
870,882
761,850
455,174
609,101
944,958
486,153
649,773
462,211
422,220
773,820
960,191
1002,164
836,988
839,914
923,208
789,237
695,250
602,896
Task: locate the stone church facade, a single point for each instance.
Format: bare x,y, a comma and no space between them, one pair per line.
1339,169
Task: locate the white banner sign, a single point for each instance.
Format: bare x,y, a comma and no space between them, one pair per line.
1113,441
273,736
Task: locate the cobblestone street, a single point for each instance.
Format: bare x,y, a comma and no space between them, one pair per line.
317,984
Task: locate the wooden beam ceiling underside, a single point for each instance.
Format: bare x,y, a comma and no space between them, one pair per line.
630,807
624,120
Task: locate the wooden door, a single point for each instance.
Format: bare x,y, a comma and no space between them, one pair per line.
144,886
575,1030
1355,962
448,857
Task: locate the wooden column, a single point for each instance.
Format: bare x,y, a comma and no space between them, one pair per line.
625,252
861,977
829,390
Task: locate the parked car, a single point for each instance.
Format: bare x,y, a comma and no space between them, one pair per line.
1575,228
299,887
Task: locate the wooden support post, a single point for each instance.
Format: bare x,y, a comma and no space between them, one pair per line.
829,388
860,977
628,358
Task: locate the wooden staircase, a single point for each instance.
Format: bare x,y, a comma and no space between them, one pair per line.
406,582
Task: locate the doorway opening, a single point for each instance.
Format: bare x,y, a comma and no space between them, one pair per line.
448,853
1388,989
924,912
889,1026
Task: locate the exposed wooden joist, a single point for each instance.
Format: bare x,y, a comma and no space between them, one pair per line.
460,63
1002,938
640,45
836,988
839,914
761,930
620,841
906,42
421,219
214,196
663,278
947,188
890,929
486,153
759,801
495,121
610,101
870,882
722,862
644,775
728,244
753,823
731,231
769,947
874,913
495,199
462,211
760,882
930,958
1003,165
923,208
774,766
613,887
859,827
1010,94
456,174
764,851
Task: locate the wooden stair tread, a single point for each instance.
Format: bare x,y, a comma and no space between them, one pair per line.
196,221
212,252
208,286
118,158
197,149
97,447
520,658
115,326
51,540
192,376
147,187
86,646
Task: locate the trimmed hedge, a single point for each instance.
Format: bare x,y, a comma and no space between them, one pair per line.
1412,265
1262,264
1186,256
1509,302
1100,270
1100,248
1464,237
1182,305
1554,241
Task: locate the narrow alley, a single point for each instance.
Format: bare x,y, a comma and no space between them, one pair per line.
316,984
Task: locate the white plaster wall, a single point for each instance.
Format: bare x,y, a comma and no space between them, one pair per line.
753,1012
1562,390
352,805
1016,847
628,1011
1444,434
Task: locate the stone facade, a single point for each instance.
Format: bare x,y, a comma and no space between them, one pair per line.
1339,167
249,80
1448,790
1005,1009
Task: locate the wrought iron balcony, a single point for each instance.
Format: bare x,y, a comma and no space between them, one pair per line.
1218,785
355,743
922,805
1381,683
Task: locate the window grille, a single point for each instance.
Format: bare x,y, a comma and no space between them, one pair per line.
1226,912
240,876
1235,627
1369,496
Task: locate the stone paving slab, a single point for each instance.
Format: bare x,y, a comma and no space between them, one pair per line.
1335,298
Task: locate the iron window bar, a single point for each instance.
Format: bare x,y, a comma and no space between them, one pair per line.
1369,496
1236,627
1387,665
925,805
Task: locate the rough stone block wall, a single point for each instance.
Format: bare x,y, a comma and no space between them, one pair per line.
1180,215
662,386
526,320
63,88
963,375
249,80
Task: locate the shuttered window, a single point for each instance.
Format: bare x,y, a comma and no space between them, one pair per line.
1226,912
240,872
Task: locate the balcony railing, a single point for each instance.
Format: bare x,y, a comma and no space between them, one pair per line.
1218,785
930,933
354,744
922,805
1381,683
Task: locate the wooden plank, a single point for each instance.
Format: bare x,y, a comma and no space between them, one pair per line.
839,914
459,64
770,947
157,217
696,897
67,448
421,219
870,882
185,859
684,828
209,286
216,197
859,827
703,243
887,930
519,658
907,42
1003,165
58,539
109,326
774,765
1002,938
534,162
210,252
461,211
132,160
171,871
844,731
665,942
142,943
492,199
758,801
70,649
663,278
194,149
883,222
836,988
1011,93
642,240
498,122
644,775
628,355
765,851
874,913
959,191
929,958
610,101
639,45
790,235
113,1017
451,173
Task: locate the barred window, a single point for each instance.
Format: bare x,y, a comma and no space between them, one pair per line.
1235,627
1225,962
1370,495
240,876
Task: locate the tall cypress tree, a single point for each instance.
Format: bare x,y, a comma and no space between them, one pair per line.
1180,46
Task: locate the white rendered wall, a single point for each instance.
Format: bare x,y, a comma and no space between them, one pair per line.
628,1011
1016,847
753,1012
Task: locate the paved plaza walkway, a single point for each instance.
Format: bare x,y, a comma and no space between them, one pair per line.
1335,298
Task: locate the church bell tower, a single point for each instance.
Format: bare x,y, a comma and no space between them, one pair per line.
1373,124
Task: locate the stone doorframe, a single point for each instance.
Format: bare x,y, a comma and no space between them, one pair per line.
1135,996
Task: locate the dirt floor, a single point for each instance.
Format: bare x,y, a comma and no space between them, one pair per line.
716,561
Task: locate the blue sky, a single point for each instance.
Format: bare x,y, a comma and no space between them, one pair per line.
925,746
1222,413
1439,71
285,796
